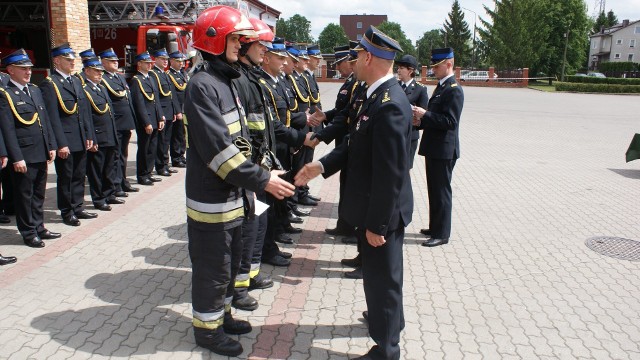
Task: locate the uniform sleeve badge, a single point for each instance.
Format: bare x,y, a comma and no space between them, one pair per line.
386,97
344,92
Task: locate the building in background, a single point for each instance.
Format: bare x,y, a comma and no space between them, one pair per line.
355,25
617,43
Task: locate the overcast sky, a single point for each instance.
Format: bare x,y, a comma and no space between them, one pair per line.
415,16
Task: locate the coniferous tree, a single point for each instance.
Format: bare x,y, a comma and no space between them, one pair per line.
458,36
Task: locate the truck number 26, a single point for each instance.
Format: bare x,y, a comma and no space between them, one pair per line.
106,33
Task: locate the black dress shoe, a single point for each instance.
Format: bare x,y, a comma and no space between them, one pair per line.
365,315
49,235
314,198
355,274
145,181
71,220
336,231
84,214
6,260
36,242
277,260
294,219
129,188
260,282
4,219
356,262
284,238
349,240
246,303
163,172
102,207
217,341
121,194
299,212
435,242
292,230
172,171
307,201
426,232
179,164
115,200
284,254
154,179
234,326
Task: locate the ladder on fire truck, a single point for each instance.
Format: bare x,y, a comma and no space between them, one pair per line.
138,12
25,13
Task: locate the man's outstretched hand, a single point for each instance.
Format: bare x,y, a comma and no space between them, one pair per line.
307,173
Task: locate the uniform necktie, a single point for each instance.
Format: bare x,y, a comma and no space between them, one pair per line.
70,80
26,91
404,86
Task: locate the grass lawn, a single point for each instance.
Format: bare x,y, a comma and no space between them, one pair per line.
547,88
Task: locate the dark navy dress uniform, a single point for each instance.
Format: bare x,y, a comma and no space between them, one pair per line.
170,108
101,163
28,136
440,145
144,96
379,196
118,91
70,115
179,79
6,203
418,96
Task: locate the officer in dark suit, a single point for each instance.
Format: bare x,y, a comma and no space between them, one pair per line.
170,110
125,118
102,156
6,203
31,145
70,114
4,260
179,79
416,93
378,189
149,114
440,144
84,55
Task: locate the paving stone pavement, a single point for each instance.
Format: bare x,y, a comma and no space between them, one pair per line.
539,174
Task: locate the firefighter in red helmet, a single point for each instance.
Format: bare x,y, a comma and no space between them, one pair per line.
219,169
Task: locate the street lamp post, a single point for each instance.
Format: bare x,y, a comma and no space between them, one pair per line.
564,56
473,56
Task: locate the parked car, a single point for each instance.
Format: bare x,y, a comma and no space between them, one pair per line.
596,74
579,74
478,75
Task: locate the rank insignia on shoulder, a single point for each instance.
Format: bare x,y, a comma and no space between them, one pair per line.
454,85
386,97
20,103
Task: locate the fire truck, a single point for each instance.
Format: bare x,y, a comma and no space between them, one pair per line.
131,27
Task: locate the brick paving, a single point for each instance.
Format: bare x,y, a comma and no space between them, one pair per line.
540,173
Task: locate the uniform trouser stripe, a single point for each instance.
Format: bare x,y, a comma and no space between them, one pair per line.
215,218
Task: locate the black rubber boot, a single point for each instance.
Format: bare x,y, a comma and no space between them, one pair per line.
235,327
217,341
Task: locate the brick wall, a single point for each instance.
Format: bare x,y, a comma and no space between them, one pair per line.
70,23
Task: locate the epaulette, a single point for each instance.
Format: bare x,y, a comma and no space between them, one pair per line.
263,82
30,84
454,85
48,78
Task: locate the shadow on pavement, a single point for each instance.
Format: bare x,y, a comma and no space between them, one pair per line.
628,173
175,255
177,232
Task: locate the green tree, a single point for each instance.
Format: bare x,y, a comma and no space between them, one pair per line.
605,21
457,34
281,29
531,33
431,39
394,31
299,29
331,36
